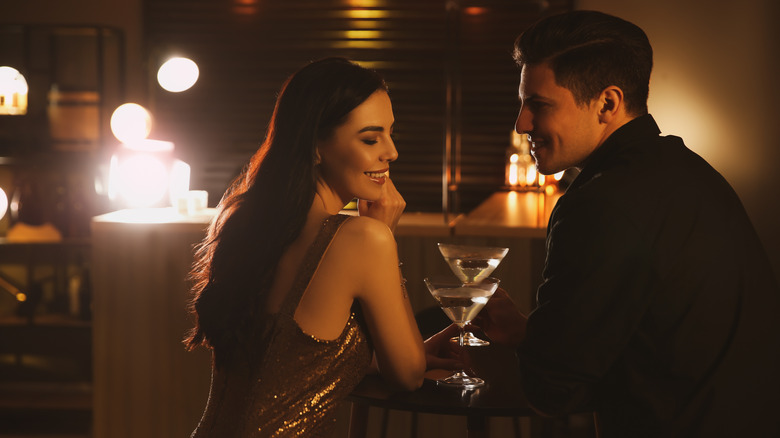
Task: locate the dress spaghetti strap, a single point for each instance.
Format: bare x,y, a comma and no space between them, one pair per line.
311,262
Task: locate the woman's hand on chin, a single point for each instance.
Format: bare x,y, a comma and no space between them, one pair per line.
388,208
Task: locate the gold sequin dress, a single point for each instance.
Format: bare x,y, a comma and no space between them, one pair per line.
288,383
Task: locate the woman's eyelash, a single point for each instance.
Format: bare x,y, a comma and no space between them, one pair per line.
370,142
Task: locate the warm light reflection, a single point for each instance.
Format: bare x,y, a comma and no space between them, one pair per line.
131,122
362,14
475,10
245,7
365,3
156,216
512,204
362,44
374,65
541,208
178,74
363,34
363,24
145,215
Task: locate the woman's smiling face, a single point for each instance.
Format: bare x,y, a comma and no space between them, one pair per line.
355,159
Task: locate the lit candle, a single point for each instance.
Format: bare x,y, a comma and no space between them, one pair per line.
513,171
530,176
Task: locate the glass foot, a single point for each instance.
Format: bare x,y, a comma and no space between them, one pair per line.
469,340
461,380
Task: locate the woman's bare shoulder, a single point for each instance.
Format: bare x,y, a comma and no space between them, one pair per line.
364,243
365,251
365,230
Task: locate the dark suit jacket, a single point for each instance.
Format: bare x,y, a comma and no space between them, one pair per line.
659,307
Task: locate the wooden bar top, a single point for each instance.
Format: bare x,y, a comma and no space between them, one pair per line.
424,224
504,214
509,214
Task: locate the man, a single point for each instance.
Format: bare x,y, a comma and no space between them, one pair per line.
658,308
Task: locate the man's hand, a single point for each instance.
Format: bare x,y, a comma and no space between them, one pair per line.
501,321
440,353
388,208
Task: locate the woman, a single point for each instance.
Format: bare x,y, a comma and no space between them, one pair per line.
291,296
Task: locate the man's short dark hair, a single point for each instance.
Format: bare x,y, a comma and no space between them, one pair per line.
589,51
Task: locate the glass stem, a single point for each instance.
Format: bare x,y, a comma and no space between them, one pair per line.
461,333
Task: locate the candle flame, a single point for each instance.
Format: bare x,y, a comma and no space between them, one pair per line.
530,176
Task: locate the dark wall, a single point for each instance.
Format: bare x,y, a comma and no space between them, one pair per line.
451,76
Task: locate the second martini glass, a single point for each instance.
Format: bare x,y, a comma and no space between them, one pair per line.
461,303
472,264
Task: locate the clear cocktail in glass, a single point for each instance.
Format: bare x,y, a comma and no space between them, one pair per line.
461,303
472,264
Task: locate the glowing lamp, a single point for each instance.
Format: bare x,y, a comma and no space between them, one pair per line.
138,173
142,171
13,92
145,174
178,74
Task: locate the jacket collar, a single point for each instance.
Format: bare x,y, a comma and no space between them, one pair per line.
642,127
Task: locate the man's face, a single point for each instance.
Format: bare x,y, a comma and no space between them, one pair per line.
563,134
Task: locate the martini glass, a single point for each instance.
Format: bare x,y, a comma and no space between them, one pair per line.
461,303
472,264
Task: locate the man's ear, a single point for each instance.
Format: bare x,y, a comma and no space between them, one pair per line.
611,104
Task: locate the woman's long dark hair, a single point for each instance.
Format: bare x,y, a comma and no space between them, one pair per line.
265,208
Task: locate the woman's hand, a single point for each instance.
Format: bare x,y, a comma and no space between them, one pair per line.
388,208
440,353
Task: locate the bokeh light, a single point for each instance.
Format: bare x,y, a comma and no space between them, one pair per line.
140,173
13,91
178,74
3,203
131,122
144,180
